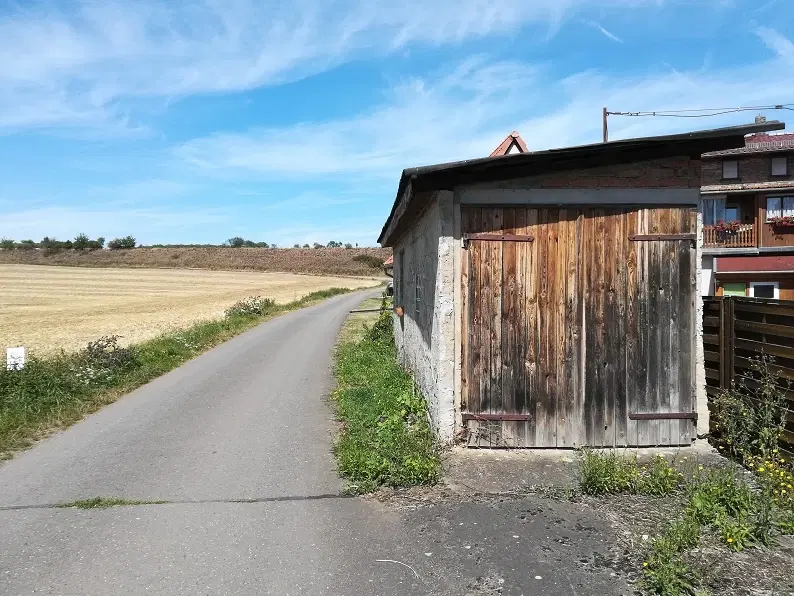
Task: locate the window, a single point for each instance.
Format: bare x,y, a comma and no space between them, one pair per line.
780,166
713,211
730,169
764,289
779,207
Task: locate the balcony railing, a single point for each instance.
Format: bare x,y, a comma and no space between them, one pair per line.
742,238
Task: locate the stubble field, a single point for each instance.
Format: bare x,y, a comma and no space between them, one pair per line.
51,308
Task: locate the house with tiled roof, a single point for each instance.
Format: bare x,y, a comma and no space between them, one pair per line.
747,206
512,144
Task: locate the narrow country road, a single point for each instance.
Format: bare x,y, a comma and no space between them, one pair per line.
245,421
238,444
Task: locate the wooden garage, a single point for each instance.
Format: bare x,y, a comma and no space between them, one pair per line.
578,325
549,299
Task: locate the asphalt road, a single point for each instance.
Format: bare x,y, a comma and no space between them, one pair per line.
248,421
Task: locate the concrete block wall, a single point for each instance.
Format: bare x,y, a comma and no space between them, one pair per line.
425,335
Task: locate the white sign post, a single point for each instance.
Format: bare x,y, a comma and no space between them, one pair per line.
15,358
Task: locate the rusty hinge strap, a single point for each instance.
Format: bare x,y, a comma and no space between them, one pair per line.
665,416
651,237
496,238
497,417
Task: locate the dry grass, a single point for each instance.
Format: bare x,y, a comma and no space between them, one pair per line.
322,261
53,308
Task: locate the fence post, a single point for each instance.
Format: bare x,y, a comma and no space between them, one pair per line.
730,340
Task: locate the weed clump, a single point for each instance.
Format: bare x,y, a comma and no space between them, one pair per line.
253,306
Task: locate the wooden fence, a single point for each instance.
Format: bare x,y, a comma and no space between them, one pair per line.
736,330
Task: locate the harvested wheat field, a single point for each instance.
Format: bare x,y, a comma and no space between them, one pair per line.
53,308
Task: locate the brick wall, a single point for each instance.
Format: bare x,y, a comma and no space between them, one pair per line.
677,172
752,168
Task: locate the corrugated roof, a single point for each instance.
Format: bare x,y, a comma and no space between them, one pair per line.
449,175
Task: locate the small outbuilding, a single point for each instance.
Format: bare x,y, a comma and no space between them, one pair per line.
549,299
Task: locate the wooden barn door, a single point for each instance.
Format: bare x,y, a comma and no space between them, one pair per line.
577,326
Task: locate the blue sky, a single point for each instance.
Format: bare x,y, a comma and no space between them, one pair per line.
291,121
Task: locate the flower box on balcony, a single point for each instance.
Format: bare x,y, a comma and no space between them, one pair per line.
786,221
727,227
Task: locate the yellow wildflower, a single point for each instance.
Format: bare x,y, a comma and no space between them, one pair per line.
645,563
730,540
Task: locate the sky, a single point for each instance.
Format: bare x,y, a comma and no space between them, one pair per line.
290,122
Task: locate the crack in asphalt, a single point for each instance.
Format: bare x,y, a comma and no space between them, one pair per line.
140,503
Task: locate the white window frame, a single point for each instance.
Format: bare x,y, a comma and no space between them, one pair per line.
786,207
780,160
775,284
735,163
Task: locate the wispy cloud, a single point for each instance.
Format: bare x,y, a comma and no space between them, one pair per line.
84,64
778,43
466,113
606,33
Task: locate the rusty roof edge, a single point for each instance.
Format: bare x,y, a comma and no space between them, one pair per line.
732,135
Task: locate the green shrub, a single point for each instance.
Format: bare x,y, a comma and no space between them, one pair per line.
7,244
658,478
254,306
748,421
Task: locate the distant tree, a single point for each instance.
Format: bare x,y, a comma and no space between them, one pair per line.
274,245
26,245
296,246
318,245
334,244
306,246
348,245
81,242
100,241
249,243
235,242
125,243
261,245
7,244
67,244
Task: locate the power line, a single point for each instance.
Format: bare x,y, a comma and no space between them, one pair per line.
694,113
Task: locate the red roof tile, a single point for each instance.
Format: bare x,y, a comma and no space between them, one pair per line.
760,142
512,140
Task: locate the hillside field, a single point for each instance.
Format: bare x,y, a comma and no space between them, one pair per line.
52,308
319,261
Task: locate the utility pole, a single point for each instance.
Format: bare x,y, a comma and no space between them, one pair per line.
605,127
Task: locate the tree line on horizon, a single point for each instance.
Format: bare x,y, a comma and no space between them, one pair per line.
83,242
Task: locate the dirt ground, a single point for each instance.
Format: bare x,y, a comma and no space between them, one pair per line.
51,308
510,522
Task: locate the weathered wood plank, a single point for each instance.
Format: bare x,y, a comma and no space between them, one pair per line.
666,383
632,326
520,347
765,328
687,431
495,312
642,400
610,329
621,291
532,327
545,410
569,406
509,346
479,323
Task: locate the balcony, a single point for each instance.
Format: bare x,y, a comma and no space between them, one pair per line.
743,237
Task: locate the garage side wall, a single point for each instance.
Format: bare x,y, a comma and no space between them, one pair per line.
424,288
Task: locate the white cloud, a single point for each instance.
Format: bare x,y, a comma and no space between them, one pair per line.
80,64
778,43
468,112
606,33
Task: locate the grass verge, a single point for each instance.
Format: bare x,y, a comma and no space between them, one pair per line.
385,437
54,392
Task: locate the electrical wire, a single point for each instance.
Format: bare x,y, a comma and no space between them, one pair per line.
705,112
